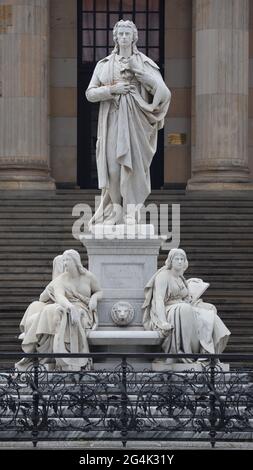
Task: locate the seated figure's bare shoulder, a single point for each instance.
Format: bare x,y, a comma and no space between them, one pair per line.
60,282
92,279
85,284
87,277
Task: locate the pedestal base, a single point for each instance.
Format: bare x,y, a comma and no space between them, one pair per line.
122,231
218,186
162,365
124,337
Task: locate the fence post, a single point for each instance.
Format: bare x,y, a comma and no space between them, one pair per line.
212,400
35,398
124,431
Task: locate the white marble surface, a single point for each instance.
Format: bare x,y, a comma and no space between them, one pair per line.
122,313
163,365
187,323
124,337
122,268
66,311
121,231
134,101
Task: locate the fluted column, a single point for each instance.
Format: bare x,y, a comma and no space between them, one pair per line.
24,114
220,160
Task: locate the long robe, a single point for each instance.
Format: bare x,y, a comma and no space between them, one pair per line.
127,127
46,327
194,327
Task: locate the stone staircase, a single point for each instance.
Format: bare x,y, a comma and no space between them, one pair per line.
216,233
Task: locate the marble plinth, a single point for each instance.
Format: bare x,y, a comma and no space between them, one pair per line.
122,231
124,337
123,267
163,365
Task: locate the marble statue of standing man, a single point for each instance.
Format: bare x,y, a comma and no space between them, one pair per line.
133,103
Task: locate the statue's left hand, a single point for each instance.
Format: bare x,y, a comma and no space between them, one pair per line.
93,304
144,78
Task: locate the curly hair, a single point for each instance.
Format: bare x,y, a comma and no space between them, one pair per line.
128,24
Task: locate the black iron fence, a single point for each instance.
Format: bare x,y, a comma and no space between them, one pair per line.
201,401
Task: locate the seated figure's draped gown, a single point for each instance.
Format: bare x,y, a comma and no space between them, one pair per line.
194,328
46,326
128,124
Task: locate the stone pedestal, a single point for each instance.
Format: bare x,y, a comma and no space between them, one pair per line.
123,267
24,111
220,160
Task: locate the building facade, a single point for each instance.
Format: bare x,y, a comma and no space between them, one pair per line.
48,49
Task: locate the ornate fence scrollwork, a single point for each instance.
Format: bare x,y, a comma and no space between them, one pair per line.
208,404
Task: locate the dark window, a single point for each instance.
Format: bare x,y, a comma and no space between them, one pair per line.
96,19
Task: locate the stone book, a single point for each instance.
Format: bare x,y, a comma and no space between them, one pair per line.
196,287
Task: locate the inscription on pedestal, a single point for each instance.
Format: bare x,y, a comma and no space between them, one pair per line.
122,276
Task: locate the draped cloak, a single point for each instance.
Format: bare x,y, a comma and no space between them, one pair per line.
201,332
140,114
46,327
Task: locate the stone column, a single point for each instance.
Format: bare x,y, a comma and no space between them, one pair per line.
24,113
220,160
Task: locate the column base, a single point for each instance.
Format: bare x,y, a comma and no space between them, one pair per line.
38,183
218,186
220,179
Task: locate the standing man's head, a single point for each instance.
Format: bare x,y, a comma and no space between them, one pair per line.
125,34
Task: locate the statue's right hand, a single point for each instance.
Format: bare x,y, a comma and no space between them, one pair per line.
120,88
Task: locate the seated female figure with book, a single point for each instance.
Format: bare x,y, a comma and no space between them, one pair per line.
173,307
